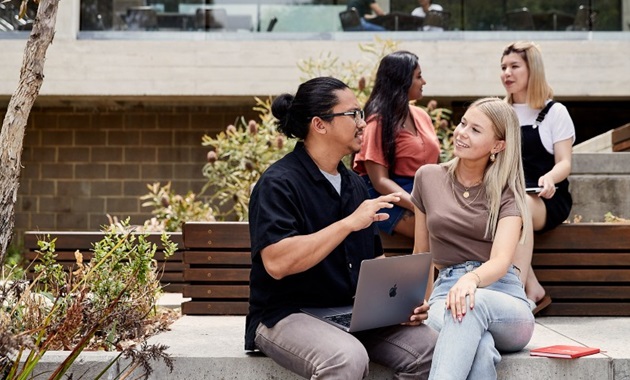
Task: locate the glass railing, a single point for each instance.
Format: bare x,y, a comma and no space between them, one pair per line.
327,16
9,16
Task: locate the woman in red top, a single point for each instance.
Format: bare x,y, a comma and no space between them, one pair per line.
399,138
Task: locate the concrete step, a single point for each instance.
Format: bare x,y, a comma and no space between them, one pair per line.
211,347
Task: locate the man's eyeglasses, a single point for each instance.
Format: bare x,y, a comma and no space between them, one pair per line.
358,115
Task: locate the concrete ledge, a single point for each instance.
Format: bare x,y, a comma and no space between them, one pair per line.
601,163
599,144
599,183
211,347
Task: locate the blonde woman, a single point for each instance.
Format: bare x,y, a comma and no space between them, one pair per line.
548,135
470,212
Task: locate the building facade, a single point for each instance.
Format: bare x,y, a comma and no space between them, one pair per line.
121,108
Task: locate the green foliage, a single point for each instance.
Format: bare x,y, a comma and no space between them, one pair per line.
358,74
105,304
172,210
51,273
609,217
14,260
237,158
240,154
444,127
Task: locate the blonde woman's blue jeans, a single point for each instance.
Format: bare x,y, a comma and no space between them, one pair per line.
501,321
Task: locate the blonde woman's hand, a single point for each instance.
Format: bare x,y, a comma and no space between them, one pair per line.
456,297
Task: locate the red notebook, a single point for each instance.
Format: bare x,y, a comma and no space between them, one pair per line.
562,351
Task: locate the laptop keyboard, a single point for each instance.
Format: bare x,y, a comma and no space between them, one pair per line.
341,319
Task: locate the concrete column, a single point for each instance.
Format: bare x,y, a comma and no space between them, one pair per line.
67,24
385,5
600,183
625,15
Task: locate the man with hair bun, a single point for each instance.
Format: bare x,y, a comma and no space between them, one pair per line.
311,224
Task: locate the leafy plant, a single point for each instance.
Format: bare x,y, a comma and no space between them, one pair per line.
444,127
171,210
107,303
14,260
237,158
611,218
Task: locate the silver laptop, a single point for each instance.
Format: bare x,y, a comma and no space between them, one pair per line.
388,290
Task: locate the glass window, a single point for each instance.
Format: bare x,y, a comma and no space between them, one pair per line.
9,16
265,16
541,15
212,15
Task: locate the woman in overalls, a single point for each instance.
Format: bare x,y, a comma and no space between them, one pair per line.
548,135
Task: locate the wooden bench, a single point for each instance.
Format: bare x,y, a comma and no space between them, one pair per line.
621,138
219,259
69,241
584,267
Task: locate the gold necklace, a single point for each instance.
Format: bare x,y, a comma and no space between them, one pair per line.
466,194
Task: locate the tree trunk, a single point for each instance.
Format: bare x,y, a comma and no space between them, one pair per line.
14,124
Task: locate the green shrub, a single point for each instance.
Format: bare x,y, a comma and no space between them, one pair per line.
171,210
444,127
237,158
107,303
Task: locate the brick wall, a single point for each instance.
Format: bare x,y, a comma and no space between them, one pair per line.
80,164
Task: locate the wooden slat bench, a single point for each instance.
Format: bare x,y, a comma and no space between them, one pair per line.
621,138
69,241
585,267
219,259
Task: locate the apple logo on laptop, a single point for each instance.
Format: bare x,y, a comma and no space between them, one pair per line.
392,291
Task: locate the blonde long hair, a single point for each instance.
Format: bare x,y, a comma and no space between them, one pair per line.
507,169
538,90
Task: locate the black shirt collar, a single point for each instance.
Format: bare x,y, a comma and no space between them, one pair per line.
311,166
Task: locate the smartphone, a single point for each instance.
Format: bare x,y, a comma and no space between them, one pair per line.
535,190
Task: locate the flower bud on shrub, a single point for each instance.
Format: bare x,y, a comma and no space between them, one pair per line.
361,83
249,165
444,124
165,202
432,105
280,142
252,127
231,129
212,157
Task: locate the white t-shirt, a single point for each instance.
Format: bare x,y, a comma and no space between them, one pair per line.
334,179
557,125
419,12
